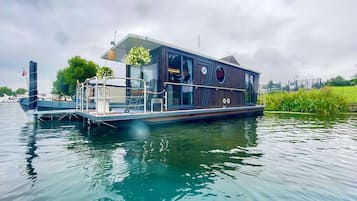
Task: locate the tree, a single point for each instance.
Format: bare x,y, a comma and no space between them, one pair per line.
338,81
104,72
6,90
20,91
60,86
272,86
78,69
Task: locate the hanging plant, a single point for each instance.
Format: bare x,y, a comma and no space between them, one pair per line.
138,56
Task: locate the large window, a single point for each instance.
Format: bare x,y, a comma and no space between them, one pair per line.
180,71
250,88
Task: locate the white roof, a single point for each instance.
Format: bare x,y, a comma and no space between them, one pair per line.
133,40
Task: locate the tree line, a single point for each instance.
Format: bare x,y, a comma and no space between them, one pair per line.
8,91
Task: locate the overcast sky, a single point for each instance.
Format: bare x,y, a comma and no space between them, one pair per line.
281,39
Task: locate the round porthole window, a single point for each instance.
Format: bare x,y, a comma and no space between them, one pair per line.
204,70
220,74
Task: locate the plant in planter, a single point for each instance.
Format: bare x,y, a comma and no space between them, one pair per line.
104,72
138,56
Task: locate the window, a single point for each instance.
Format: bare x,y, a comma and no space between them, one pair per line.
174,67
180,70
250,89
220,74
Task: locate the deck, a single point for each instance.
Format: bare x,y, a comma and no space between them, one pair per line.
168,116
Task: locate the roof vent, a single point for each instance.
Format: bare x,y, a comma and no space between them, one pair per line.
231,59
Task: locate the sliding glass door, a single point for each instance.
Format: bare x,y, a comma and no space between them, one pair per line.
180,77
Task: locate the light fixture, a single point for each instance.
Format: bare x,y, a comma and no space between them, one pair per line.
111,54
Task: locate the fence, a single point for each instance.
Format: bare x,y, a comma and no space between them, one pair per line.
292,85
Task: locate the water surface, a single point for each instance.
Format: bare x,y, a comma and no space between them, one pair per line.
274,157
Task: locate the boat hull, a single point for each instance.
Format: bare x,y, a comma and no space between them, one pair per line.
43,105
156,118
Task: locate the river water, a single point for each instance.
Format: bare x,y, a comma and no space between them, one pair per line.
273,157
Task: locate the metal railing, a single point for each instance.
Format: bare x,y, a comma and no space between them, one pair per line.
196,86
98,96
83,94
204,86
95,95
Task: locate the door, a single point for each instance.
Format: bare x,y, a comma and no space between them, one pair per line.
180,77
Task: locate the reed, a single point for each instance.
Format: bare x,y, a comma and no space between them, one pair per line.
320,101
349,92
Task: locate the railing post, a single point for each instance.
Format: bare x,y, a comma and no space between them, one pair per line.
144,96
165,97
87,95
76,97
82,98
96,95
105,95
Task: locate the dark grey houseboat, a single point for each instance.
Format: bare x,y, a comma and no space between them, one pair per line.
177,84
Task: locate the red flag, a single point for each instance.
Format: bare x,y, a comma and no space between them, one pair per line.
24,73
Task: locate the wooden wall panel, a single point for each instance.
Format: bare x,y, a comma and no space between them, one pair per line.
209,98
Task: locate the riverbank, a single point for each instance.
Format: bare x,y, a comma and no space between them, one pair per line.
305,113
326,101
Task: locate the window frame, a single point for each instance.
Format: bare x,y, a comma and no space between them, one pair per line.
224,74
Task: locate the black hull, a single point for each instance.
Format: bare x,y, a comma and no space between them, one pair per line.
43,105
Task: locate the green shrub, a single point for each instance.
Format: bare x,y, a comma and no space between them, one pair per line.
320,101
349,92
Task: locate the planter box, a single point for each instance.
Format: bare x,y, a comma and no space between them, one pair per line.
101,107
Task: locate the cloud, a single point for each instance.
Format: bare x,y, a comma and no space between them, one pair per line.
282,39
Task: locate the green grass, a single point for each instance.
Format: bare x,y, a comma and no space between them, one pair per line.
322,101
349,93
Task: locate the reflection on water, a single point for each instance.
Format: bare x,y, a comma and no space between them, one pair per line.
30,132
274,157
172,162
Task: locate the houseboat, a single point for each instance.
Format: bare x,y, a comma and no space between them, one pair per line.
177,85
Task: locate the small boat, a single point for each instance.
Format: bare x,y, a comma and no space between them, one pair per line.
43,105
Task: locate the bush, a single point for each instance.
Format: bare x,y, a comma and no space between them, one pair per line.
319,101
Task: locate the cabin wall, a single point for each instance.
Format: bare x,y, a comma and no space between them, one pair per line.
209,98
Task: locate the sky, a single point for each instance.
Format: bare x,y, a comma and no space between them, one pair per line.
282,39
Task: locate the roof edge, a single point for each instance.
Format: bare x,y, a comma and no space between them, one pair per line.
161,43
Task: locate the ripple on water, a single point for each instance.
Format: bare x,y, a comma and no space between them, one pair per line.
274,157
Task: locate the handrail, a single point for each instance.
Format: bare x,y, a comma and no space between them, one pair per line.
204,86
102,98
125,78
